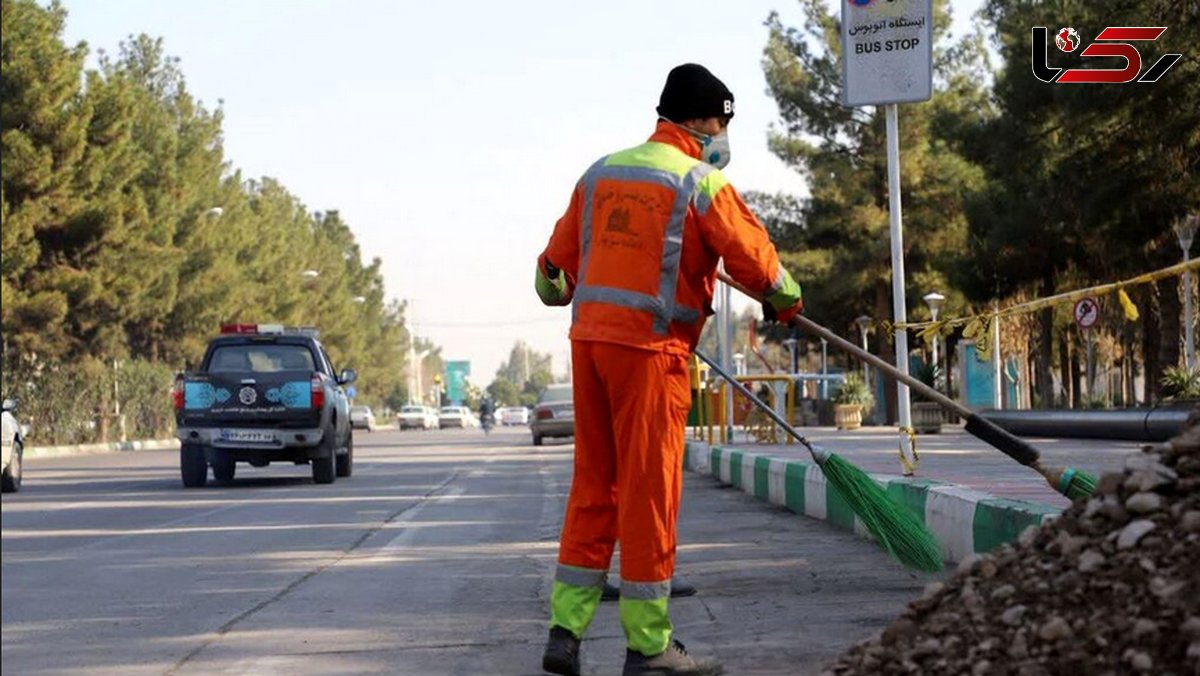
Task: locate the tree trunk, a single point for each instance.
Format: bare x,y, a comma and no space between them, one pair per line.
1064,368
1045,349
1150,339
886,350
1169,329
1077,374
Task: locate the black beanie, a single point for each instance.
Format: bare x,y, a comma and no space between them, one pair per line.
692,92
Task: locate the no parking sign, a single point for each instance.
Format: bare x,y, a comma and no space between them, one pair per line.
1087,313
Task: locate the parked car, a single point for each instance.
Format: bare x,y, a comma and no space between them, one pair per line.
13,442
456,416
513,415
554,414
416,417
263,393
361,418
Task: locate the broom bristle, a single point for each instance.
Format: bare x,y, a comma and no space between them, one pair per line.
893,525
1082,485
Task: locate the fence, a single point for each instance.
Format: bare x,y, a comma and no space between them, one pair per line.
91,401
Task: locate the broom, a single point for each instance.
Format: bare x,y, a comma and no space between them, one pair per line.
893,525
1073,483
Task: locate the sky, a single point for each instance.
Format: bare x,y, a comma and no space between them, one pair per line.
450,134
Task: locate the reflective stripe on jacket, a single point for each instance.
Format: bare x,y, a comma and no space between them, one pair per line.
640,241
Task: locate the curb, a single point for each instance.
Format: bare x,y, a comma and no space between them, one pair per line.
96,449
965,521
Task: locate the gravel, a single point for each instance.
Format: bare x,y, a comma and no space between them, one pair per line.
1112,586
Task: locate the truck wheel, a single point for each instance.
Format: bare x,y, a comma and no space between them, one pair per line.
223,469
323,469
345,463
10,480
537,440
193,466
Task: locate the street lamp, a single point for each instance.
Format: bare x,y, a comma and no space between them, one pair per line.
214,212
934,300
791,346
1185,230
359,299
310,274
864,324
738,360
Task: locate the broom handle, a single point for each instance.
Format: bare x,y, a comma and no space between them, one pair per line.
745,391
986,430
892,372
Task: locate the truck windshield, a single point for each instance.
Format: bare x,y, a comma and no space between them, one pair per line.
260,358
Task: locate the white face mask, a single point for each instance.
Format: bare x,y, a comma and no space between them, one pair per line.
714,149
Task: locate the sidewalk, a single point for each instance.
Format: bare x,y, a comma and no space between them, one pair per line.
957,457
971,496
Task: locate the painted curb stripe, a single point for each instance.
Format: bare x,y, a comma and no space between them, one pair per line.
950,514
964,520
762,478
815,502
1000,520
794,474
777,492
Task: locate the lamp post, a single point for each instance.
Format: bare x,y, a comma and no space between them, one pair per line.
864,324
824,369
791,346
1185,230
934,300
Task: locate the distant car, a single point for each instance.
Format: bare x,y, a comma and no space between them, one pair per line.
554,414
456,416
416,417
13,441
361,418
513,415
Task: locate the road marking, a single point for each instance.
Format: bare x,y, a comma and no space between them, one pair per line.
407,535
400,514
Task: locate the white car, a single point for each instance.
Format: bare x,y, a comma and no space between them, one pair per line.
513,415
13,442
456,416
416,417
362,418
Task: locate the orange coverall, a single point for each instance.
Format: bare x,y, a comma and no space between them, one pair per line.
636,254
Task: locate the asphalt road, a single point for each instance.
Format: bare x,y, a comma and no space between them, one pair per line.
434,558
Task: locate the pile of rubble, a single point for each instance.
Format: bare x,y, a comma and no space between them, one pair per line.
1112,586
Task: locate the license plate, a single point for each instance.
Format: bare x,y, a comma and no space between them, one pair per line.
250,436
567,413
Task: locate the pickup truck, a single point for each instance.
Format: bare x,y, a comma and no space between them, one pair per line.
263,393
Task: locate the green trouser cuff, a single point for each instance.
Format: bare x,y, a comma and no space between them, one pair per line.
551,291
647,625
788,292
573,608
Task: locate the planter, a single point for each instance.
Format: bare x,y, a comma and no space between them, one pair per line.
847,416
927,417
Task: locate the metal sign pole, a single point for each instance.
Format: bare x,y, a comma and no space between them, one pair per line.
903,404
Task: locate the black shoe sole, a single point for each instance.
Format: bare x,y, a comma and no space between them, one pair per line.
562,666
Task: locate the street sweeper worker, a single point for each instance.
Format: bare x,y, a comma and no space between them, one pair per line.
635,255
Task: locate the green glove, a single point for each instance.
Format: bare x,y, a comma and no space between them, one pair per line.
551,286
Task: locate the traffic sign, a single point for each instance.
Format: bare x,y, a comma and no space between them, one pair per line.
351,391
1087,313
